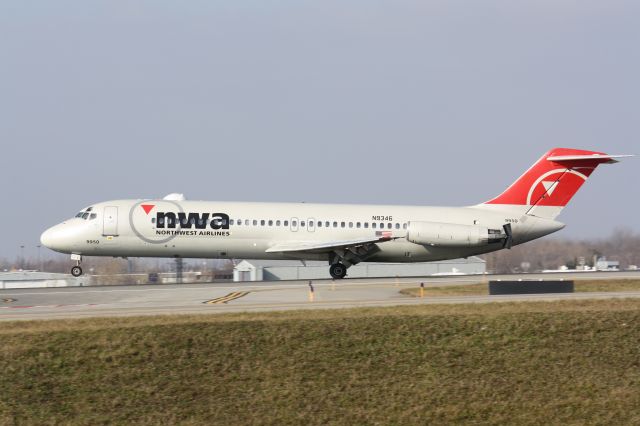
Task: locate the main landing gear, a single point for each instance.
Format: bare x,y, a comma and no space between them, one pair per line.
338,271
76,271
342,258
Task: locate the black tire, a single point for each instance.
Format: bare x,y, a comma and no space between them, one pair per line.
76,271
338,271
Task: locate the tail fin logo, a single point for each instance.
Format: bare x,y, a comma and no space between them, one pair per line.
545,186
549,186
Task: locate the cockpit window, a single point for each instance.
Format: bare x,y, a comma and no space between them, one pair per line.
86,214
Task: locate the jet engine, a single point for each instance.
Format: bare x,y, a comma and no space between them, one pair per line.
453,235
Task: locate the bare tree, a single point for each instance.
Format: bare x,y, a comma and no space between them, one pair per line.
550,253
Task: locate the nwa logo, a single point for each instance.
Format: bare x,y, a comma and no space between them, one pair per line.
186,220
192,220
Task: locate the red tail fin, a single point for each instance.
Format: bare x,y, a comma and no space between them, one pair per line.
552,181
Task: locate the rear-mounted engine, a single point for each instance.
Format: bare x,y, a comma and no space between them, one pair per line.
452,235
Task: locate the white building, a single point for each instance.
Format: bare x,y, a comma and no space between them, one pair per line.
34,279
607,265
276,270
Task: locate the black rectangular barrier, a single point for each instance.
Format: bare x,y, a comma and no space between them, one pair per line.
529,287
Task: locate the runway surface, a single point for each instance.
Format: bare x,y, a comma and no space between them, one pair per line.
110,301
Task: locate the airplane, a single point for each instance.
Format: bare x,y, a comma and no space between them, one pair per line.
341,234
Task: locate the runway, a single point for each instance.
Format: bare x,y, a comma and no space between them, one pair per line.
111,301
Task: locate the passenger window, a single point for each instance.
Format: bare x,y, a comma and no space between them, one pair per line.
153,220
335,224
310,223
373,225
350,224
327,224
161,221
239,222
382,226
366,225
319,224
262,222
397,226
342,224
270,222
193,221
404,226
277,223
390,225
294,223
357,224
286,223
255,222
247,222
302,223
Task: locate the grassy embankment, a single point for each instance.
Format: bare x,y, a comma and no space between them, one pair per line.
480,289
572,362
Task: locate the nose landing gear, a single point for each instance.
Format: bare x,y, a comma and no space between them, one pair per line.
76,271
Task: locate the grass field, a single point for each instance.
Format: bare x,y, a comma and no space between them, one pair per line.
572,362
479,289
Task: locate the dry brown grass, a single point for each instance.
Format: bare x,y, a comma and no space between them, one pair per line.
573,362
482,289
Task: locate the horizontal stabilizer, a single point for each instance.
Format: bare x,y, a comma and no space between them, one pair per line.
599,158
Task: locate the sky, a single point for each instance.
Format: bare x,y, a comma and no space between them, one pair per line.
387,102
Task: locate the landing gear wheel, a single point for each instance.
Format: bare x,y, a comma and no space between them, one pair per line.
76,271
338,270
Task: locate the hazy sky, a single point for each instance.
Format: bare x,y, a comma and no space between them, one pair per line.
400,102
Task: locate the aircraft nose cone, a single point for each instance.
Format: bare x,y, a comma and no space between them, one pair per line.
54,238
48,238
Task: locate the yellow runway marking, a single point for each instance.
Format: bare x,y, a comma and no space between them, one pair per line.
228,298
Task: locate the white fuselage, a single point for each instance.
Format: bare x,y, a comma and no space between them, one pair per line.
232,230
341,234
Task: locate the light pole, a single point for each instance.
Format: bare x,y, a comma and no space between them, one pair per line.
22,257
39,258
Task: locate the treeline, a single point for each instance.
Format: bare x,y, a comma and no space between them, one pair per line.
622,245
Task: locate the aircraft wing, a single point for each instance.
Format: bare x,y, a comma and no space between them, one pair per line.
326,246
